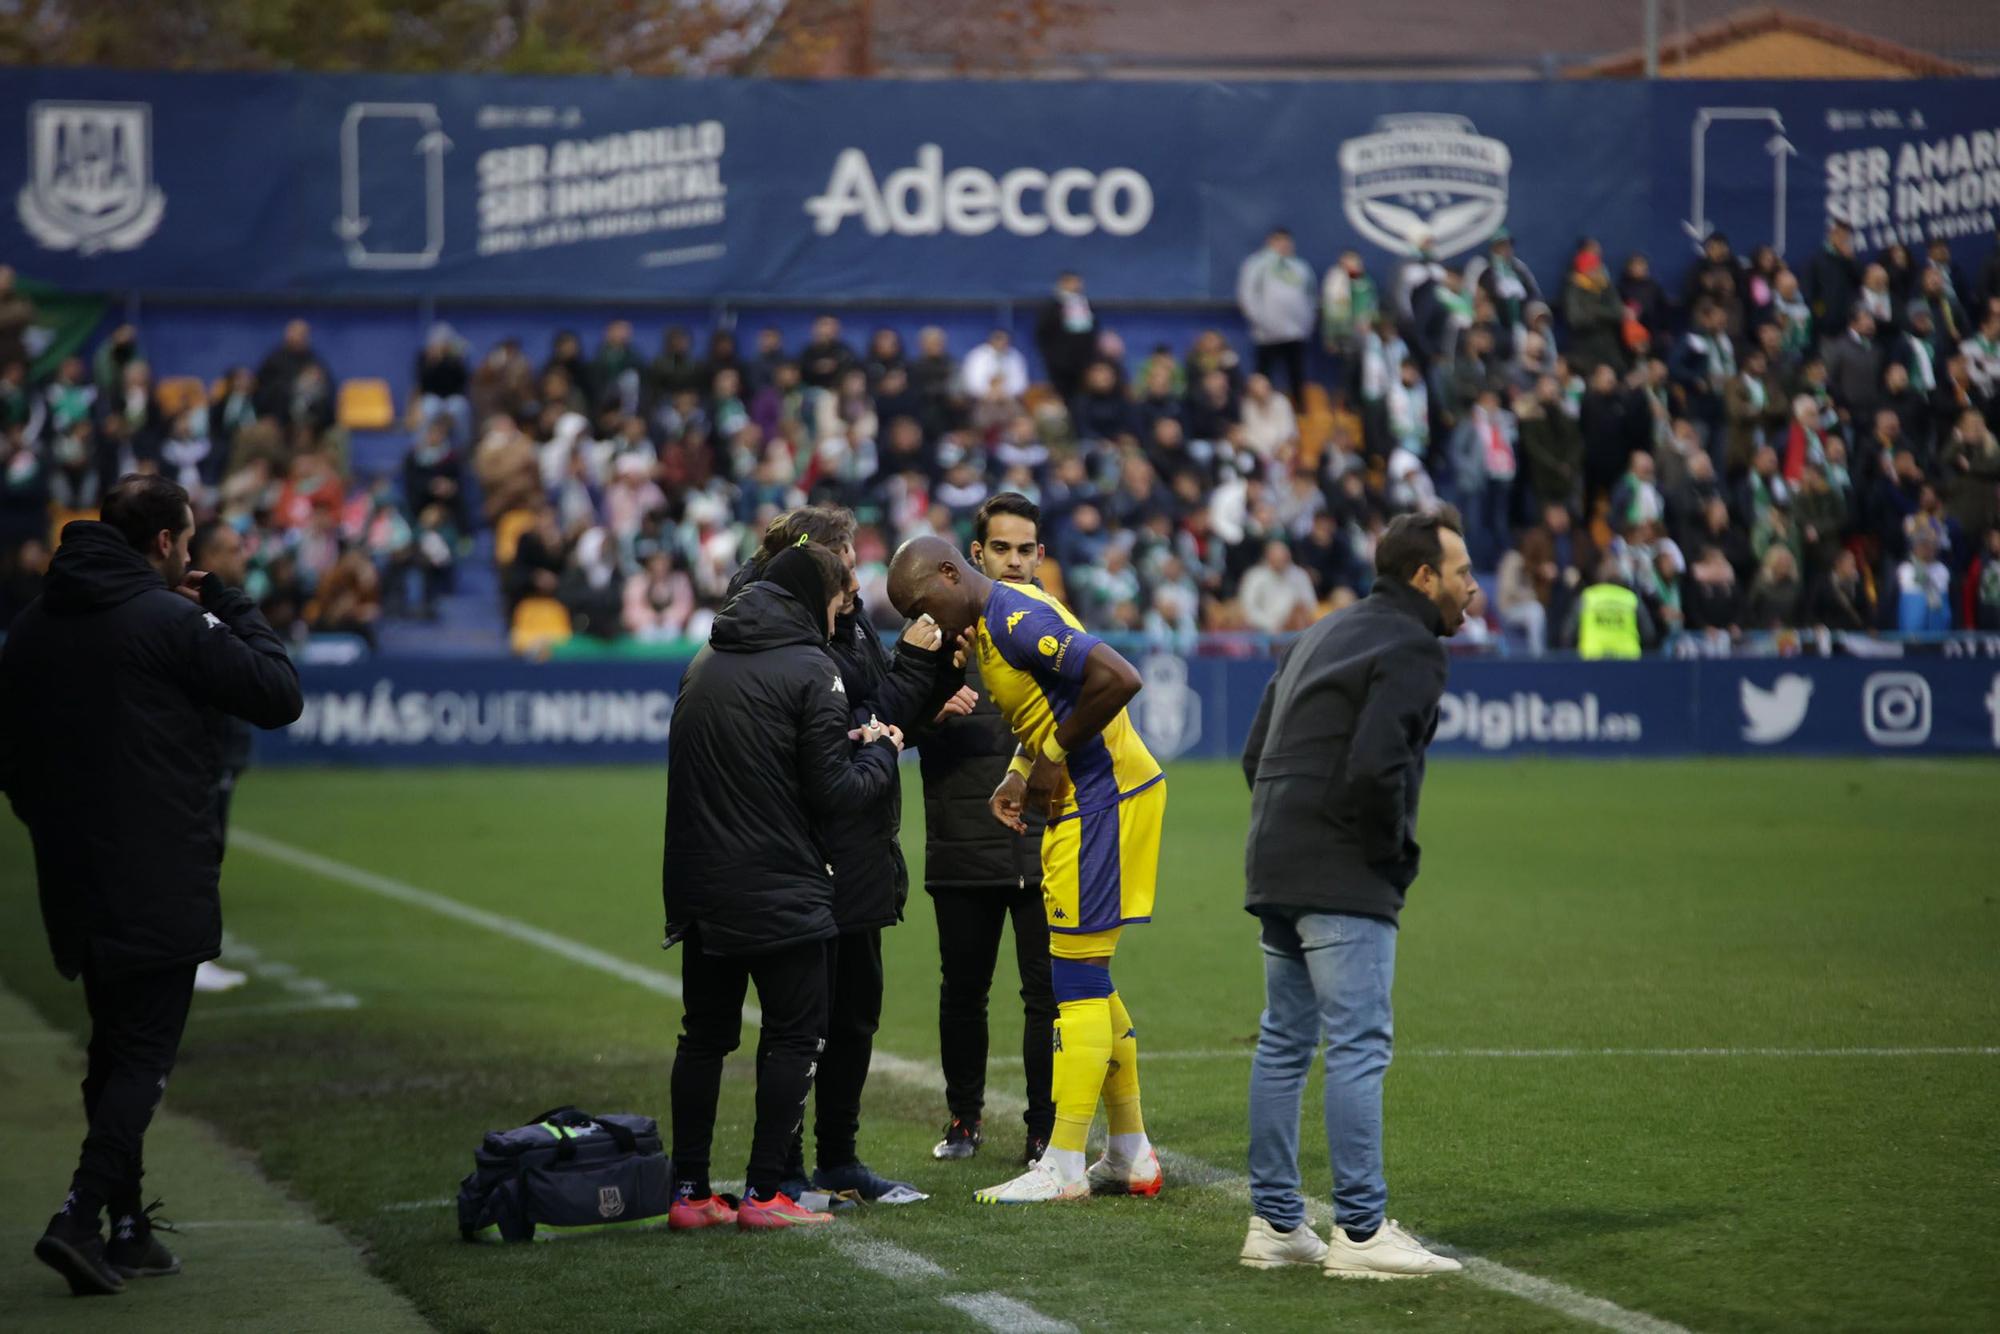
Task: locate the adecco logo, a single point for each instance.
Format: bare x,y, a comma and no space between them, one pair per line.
925,200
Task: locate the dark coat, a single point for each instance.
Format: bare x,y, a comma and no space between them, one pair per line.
110,751
964,759
759,768
1335,758
906,688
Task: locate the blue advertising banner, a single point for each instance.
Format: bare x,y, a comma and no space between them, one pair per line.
426,711
670,189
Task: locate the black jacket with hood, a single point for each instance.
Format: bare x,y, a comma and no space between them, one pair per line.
1335,758
907,688
759,770
110,687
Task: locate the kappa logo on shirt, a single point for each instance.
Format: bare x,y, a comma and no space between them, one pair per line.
839,686
1014,620
214,621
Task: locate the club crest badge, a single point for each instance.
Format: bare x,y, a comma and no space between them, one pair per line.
1425,175
90,187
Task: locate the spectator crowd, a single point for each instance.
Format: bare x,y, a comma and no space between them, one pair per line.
1757,447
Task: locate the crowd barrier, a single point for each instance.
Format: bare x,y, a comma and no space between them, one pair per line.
426,711
651,189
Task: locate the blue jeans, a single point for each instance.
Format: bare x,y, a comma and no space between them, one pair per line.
1327,977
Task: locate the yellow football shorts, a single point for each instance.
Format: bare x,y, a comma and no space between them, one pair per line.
1098,872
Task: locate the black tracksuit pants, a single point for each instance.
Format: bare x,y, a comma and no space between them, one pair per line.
853,1013
971,920
136,1021
791,991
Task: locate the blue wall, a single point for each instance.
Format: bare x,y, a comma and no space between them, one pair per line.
387,711
681,190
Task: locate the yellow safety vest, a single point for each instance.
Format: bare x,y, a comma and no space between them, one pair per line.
1608,622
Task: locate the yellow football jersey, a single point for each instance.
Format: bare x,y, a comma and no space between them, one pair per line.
1031,656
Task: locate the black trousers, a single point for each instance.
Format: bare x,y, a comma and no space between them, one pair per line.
1291,357
853,1013
970,922
136,1021
791,991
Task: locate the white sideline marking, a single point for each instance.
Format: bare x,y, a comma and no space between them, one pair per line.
411,1206
338,1000
890,1261
1561,1053
1002,1314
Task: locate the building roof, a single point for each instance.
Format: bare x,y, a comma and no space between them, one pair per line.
1360,38
1777,43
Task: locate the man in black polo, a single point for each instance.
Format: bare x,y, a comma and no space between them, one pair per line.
109,683
979,873
1335,761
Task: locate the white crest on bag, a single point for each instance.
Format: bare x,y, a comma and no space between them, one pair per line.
90,186
610,1203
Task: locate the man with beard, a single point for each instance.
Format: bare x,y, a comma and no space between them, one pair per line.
910,687
1335,762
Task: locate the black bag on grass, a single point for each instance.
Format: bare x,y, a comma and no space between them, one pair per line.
563,1173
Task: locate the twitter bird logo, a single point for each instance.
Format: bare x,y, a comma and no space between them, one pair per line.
1770,716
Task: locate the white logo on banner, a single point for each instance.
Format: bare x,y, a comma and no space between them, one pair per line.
1528,716
1913,185
1421,176
90,187
1771,716
1896,709
1169,712
1993,707
925,199
664,178
431,145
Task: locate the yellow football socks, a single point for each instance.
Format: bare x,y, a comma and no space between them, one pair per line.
1083,1046
1121,1080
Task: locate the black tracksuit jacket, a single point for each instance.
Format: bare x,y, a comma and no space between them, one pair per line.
760,777
110,749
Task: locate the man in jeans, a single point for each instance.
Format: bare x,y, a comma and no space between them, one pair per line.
1335,762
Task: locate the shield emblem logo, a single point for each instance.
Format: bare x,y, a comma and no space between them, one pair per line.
1425,177
610,1203
1169,712
91,184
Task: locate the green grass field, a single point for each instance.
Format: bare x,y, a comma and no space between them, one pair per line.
1717,1044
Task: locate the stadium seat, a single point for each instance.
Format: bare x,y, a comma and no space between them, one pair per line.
58,517
178,393
366,405
507,531
539,623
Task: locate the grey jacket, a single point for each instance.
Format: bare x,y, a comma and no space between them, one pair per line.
1335,759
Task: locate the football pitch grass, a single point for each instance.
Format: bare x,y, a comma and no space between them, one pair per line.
1709,1046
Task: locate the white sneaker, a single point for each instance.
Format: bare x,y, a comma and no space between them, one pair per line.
1390,1253
1115,1176
1264,1247
1038,1185
212,976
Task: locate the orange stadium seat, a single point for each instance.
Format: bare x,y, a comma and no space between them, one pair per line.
366,405
178,393
507,531
539,623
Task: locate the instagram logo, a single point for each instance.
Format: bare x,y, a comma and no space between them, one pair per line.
1896,709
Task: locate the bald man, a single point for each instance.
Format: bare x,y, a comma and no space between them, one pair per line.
1063,693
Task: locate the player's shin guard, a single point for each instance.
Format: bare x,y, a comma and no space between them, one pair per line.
1121,1080
1083,1042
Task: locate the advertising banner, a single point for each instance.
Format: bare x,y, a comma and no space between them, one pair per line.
661,189
427,711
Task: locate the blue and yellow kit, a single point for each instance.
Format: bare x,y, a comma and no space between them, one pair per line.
1100,856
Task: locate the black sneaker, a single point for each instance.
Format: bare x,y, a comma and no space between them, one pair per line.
135,1251
78,1255
1037,1146
858,1182
961,1140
